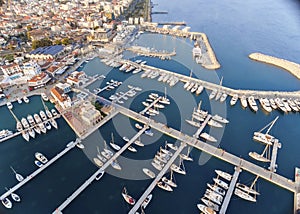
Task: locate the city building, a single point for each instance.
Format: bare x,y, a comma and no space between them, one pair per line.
11,69
48,52
31,69
62,99
38,81
89,114
77,78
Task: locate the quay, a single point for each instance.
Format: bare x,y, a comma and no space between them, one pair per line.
92,178
276,146
297,194
230,190
212,150
198,132
172,23
147,52
291,67
157,178
211,86
35,173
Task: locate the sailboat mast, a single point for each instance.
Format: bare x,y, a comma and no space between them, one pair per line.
272,124
253,183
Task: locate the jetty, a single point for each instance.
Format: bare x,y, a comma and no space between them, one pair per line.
157,178
230,190
92,178
297,193
198,132
212,150
35,173
151,53
276,146
172,23
292,67
151,104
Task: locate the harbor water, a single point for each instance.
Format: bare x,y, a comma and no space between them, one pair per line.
235,29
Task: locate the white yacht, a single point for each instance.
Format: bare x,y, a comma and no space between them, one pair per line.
210,204
214,197
221,183
130,200
252,103
98,162
31,132
44,97
146,201
25,123
53,123
116,165
264,102
9,105
199,89
224,175
43,115
5,133
25,135
208,137
234,99
47,125
26,100
213,94
54,113
280,105
40,157
215,124
19,100
217,189
48,113
7,203
164,186
244,195
220,119
244,101
223,97
149,173
206,210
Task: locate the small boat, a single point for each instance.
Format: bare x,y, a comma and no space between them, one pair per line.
208,137
224,175
26,100
193,123
39,156
213,94
223,97
221,183
247,189
9,106
157,165
113,145
38,163
259,157
164,186
199,90
5,133
217,189
244,195
125,138
252,103
149,173
172,146
44,97
219,94
54,112
214,197
80,145
98,162
47,125
146,201
130,200
210,204
53,123
70,144
177,169
170,181
213,123
48,113
165,151
7,203
234,99
149,133
206,210
220,119
138,143
132,149
19,177
99,175
43,115
186,156
14,196
244,101
116,165
138,126
19,100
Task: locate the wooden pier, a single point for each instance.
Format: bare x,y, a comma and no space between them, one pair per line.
35,173
196,135
212,150
230,190
276,146
157,178
92,178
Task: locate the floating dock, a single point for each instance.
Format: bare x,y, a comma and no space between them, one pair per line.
157,178
276,146
230,190
35,173
92,178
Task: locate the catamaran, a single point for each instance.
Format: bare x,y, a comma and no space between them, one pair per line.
130,200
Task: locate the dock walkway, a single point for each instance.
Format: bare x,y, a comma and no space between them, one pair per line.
92,178
157,178
212,150
196,135
273,164
230,190
35,173
152,104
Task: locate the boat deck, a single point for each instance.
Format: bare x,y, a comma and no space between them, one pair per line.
230,190
92,178
157,178
35,173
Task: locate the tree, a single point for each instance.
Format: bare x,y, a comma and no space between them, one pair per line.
57,42
65,41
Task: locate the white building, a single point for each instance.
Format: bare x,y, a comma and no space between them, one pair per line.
31,69
89,114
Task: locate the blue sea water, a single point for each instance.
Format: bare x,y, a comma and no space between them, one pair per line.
235,29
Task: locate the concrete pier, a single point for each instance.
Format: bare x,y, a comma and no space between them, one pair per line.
157,178
35,173
230,190
196,135
297,193
148,107
276,146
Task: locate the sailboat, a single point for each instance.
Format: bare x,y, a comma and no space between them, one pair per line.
172,146
244,195
14,196
164,99
178,169
98,162
265,138
139,142
224,175
19,177
250,189
103,159
149,173
170,181
186,156
193,123
130,200
210,204
164,186
7,203
264,157
113,145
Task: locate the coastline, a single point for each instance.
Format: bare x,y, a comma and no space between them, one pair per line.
291,67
